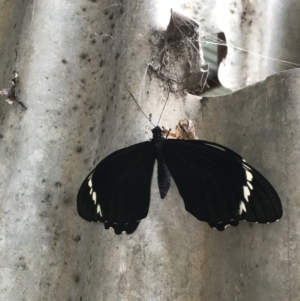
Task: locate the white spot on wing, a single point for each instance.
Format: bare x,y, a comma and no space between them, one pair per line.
91,191
246,193
249,176
99,210
94,197
242,208
90,183
250,185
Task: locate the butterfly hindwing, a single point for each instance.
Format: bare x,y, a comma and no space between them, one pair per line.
218,186
117,191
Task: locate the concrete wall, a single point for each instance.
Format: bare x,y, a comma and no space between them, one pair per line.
76,62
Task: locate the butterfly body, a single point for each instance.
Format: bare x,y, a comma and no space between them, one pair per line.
163,173
216,184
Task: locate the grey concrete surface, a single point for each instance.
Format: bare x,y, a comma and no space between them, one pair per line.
76,62
267,30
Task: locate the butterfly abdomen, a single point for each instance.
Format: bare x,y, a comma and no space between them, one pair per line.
163,178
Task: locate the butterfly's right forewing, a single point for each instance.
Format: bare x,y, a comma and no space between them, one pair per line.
117,191
218,186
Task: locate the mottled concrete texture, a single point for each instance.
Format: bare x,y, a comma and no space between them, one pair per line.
267,30
77,60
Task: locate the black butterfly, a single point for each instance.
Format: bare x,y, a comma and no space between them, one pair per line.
216,184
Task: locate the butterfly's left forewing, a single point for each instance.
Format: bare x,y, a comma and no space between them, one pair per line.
117,191
218,186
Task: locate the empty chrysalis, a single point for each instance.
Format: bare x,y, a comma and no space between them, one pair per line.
215,183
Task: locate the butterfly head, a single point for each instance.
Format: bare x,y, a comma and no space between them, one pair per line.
157,133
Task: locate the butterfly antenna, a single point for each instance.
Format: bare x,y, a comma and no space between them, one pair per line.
141,109
163,107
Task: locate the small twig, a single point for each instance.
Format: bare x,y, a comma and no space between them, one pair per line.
184,130
168,132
